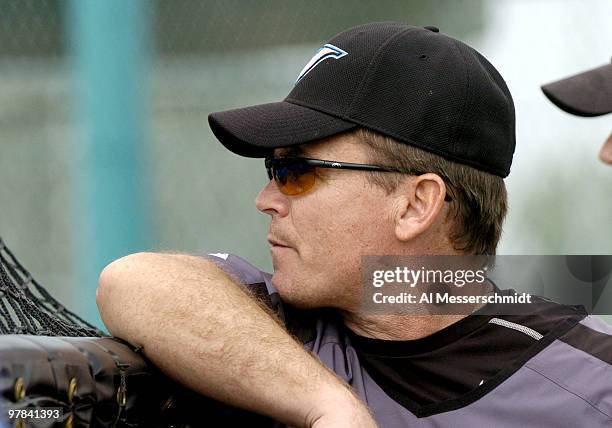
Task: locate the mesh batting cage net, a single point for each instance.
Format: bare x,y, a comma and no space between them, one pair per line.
27,308
50,358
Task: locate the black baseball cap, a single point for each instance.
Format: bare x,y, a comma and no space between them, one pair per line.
585,94
416,85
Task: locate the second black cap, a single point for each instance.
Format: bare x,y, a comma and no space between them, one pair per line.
585,94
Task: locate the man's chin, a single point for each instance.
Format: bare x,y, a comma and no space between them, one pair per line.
284,259
290,293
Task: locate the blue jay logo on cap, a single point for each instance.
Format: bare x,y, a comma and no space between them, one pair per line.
327,51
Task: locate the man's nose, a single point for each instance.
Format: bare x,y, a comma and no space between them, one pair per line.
605,154
271,201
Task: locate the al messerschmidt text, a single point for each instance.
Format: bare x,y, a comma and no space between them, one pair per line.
448,298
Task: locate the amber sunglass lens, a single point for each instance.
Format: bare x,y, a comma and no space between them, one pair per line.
295,178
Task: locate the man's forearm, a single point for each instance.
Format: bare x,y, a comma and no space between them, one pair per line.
207,332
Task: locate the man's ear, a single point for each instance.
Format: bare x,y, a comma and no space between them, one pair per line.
419,201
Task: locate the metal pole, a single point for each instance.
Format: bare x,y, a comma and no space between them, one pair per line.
109,41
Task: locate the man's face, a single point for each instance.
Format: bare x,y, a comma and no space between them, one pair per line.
605,153
324,232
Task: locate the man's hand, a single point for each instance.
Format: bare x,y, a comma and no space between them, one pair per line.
204,330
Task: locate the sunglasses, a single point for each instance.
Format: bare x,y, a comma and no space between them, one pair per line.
296,175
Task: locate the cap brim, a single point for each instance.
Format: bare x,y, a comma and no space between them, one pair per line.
256,131
585,94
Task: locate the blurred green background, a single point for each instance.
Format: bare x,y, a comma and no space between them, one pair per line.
196,57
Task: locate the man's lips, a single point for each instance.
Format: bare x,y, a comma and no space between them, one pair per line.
274,242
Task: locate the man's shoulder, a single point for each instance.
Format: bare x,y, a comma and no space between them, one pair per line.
240,269
580,363
592,336
590,339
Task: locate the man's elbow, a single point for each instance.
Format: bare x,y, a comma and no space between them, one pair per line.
117,284
113,275
106,280
125,267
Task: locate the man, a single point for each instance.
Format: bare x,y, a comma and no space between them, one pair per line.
394,141
585,94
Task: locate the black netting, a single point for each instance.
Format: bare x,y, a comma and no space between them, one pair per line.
27,308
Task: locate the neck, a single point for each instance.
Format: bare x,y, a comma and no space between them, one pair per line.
398,327
417,324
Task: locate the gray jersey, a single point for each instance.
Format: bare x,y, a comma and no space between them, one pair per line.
564,380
